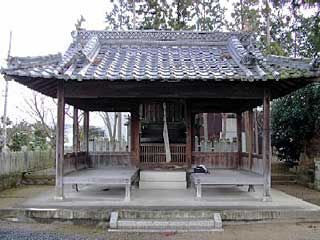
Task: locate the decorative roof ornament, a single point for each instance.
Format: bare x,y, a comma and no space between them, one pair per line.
315,63
249,58
79,23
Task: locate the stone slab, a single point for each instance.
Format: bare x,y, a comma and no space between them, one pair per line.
165,224
217,220
114,220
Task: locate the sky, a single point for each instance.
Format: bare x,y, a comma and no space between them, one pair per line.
41,27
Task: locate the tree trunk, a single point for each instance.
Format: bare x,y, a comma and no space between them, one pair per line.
120,129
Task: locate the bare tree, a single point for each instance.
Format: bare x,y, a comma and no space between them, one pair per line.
112,130
42,110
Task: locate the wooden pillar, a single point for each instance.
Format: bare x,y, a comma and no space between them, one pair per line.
256,131
248,125
59,191
239,138
135,137
205,128
129,133
86,134
266,154
76,145
250,144
188,115
250,138
193,144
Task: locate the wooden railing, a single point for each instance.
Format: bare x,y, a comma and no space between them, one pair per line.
154,154
216,159
74,161
109,159
256,165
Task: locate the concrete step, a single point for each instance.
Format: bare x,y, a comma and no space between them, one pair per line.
168,224
163,176
162,185
284,182
162,179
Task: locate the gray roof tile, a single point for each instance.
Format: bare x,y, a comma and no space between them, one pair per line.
162,55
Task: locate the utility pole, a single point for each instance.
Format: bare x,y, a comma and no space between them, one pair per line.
241,15
134,15
4,128
268,11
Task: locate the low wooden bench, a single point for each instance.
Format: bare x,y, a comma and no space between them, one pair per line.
105,177
225,177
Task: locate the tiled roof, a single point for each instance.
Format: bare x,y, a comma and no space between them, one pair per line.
162,56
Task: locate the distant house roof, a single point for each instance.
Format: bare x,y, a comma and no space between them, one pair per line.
162,56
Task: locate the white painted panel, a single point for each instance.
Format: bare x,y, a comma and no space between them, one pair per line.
159,176
162,185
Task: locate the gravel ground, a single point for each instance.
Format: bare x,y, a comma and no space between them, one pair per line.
262,231
6,234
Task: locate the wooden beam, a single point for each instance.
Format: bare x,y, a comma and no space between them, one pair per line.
239,138
135,137
188,134
76,143
185,89
250,137
59,191
266,151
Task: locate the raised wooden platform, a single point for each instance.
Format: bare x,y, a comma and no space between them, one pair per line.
104,176
225,177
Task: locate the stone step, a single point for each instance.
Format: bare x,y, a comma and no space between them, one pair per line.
162,185
168,224
165,176
284,179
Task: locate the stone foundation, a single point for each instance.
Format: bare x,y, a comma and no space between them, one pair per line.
10,181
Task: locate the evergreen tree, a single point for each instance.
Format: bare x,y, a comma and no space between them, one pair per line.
154,14
208,15
180,15
120,17
246,16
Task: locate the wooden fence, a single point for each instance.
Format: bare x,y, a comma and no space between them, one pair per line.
25,161
105,145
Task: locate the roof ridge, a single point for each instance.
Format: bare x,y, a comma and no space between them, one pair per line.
161,35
